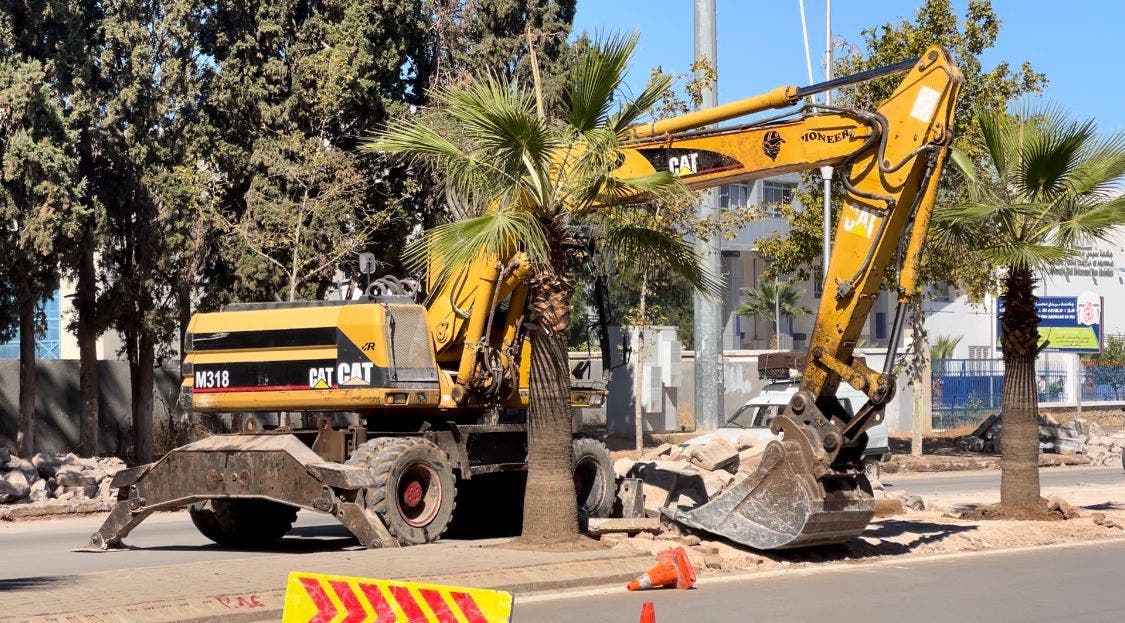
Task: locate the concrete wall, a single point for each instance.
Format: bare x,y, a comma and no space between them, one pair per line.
58,406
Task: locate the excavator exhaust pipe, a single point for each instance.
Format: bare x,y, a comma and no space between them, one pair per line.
782,505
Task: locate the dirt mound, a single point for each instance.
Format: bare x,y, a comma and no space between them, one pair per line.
1052,509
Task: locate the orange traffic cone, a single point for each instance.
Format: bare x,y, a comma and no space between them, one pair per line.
672,569
648,612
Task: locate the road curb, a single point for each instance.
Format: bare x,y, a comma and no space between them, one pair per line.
251,607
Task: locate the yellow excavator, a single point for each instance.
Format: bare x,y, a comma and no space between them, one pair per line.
410,390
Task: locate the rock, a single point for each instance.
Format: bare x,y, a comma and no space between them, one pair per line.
1096,453
622,466
1101,520
1062,507
14,486
646,536
745,441
913,502
46,464
105,488
680,479
713,562
659,451
39,491
76,479
78,491
716,454
598,526
610,540
689,540
5,455
27,467
715,482
749,459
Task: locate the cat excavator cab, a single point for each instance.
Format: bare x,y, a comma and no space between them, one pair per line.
432,377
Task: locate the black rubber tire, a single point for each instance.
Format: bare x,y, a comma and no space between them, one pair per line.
594,480
392,457
243,522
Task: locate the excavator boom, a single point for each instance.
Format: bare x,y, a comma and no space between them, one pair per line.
809,488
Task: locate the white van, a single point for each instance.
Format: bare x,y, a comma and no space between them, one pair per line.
754,418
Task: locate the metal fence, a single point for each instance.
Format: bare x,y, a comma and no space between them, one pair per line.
967,390
1103,382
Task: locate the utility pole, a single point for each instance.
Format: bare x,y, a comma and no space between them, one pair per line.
707,322
826,172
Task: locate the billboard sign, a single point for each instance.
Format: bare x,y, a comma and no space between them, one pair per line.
1072,324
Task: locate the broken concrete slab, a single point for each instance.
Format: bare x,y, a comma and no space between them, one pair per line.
622,467
598,526
13,486
888,507
715,454
46,464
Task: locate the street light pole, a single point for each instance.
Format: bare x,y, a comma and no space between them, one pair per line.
826,172
707,321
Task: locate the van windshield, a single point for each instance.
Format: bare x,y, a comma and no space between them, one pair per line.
754,416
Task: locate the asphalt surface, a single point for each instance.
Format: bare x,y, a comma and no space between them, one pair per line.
1073,584
953,482
43,548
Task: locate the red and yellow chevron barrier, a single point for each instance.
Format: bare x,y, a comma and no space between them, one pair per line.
319,598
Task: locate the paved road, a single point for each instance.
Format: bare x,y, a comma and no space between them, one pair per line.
1073,584
42,548
953,482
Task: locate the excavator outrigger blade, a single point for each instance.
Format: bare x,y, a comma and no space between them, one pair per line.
783,504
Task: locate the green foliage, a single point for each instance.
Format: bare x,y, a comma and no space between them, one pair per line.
764,302
1108,367
798,252
1047,185
943,346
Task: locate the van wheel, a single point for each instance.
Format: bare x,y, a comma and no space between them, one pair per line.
594,480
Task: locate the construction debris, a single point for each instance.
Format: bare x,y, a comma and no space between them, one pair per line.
48,477
1077,437
599,526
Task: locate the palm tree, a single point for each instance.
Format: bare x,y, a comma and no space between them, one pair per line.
944,346
1047,185
767,299
532,179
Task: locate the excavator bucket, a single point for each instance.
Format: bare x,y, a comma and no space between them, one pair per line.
783,505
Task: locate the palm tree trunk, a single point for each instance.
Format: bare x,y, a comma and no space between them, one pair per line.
1019,444
550,507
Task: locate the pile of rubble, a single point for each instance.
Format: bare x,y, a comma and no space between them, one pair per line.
55,477
1074,437
688,475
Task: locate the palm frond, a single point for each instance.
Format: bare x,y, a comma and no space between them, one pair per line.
995,127
643,246
1022,255
1049,153
641,105
964,164
661,185
596,76
1100,168
451,247
1088,222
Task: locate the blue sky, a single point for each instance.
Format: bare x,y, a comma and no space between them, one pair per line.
1077,44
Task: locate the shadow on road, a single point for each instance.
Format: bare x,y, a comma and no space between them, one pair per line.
35,582
884,530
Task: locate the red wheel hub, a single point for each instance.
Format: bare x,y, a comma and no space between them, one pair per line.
412,496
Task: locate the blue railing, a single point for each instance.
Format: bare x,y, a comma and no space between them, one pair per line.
1103,382
966,390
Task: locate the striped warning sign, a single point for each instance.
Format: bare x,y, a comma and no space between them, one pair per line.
318,598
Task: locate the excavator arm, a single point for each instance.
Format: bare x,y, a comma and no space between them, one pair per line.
809,488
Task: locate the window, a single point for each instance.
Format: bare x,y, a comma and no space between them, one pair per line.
880,325
980,352
774,194
734,196
818,282
940,294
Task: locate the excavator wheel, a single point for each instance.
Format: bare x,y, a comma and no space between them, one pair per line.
594,479
242,522
415,486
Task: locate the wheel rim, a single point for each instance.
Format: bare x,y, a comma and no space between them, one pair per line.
587,485
419,494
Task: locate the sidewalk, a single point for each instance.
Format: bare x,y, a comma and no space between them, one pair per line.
252,589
